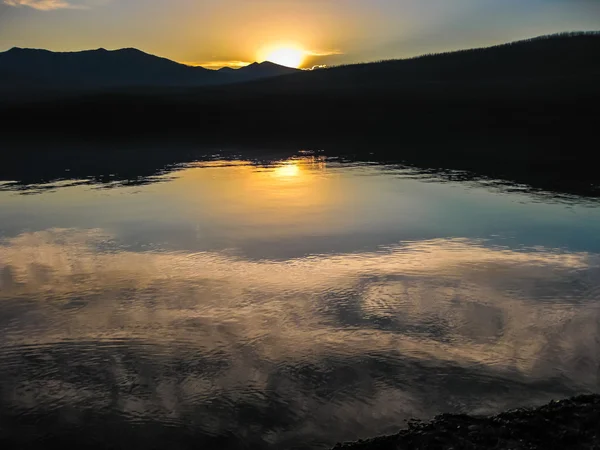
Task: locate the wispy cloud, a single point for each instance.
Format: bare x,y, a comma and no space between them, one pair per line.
323,52
44,5
218,64
317,67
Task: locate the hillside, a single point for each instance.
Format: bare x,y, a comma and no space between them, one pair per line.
511,112
118,68
546,57
528,87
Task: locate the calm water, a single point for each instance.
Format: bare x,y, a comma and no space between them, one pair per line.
285,303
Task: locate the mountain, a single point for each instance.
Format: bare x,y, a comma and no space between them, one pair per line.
256,71
264,70
506,111
102,68
566,55
119,68
547,82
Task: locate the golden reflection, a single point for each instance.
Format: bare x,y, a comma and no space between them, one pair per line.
290,169
286,198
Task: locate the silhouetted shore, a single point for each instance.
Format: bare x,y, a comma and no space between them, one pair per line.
567,424
526,112
536,87
553,163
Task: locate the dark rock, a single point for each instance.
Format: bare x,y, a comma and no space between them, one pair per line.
567,424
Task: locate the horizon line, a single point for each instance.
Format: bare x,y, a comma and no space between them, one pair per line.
238,64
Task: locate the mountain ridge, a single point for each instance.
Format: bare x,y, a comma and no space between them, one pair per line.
569,55
124,67
563,54
537,63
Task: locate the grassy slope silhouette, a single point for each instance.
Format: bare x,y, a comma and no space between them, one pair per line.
510,110
532,74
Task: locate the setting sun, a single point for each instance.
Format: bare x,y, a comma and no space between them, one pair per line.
285,56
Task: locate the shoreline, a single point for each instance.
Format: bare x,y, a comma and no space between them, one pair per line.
572,423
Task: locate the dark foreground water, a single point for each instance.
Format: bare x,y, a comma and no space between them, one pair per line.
286,302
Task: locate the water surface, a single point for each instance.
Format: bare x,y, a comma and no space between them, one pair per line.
285,302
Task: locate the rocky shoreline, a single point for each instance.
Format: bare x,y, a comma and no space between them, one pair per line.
568,424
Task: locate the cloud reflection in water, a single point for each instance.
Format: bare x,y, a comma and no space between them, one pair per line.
331,346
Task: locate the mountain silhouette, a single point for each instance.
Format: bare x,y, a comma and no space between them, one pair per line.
549,82
504,111
226,70
565,55
127,67
264,70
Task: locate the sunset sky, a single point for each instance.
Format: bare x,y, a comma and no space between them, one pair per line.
215,33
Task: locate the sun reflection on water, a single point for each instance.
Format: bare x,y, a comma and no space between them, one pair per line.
339,298
289,169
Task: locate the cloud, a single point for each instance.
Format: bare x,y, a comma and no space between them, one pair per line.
323,52
44,5
317,66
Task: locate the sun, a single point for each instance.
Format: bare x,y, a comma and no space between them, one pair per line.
285,56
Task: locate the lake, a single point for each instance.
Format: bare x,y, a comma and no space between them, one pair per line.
283,300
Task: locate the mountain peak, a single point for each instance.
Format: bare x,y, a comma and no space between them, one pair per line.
26,50
104,68
123,51
265,65
269,63
268,66
129,50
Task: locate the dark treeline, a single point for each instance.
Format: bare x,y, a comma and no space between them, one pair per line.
539,79
555,38
512,111
522,84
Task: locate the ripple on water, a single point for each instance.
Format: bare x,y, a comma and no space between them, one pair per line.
169,341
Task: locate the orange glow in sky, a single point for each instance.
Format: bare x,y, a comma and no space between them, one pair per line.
295,33
284,55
